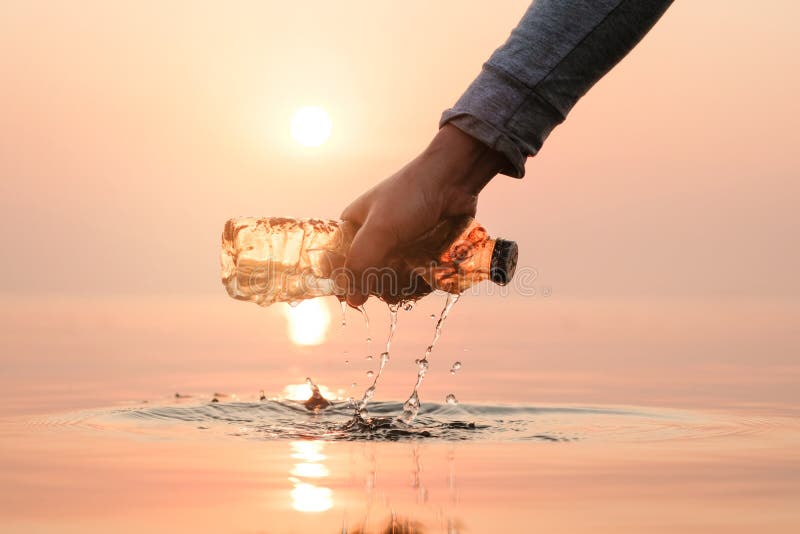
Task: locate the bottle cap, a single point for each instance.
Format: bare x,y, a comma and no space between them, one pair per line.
504,261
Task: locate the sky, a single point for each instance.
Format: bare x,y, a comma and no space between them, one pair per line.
130,132
660,221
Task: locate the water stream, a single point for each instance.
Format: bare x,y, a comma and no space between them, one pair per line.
411,406
361,408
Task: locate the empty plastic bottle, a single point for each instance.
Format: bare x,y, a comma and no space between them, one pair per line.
276,259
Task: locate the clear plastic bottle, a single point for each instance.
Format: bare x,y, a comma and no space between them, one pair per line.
277,259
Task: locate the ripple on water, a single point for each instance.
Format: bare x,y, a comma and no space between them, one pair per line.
290,420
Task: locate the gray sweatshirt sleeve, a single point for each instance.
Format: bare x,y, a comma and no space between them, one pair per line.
552,58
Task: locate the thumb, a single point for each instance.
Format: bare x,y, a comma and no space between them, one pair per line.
369,249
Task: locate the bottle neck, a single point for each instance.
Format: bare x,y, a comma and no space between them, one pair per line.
466,261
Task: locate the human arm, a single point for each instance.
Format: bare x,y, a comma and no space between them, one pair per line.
557,52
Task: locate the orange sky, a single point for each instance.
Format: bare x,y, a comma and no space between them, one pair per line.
662,217
130,132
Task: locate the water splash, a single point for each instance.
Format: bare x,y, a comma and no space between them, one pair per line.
291,420
282,419
361,410
316,402
411,406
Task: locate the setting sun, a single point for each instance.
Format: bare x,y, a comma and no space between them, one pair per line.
311,126
308,322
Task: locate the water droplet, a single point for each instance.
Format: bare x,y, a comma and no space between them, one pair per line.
410,408
370,374
369,340
353,385
432,316
384,358
451,399
363,312
294,303
347,362
369,357
408,305
343,305
456,366
309,382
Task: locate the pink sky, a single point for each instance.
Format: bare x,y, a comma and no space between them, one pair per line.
661,218
130,133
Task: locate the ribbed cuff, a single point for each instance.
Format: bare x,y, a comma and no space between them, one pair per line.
505,115
489,136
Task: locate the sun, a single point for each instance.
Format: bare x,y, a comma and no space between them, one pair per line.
308,322
311,126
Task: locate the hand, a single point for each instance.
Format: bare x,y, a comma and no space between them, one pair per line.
442,182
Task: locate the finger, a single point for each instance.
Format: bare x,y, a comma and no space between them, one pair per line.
369,249
358,210
353,213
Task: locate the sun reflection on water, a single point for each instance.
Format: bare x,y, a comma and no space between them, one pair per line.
311,498
308,497
310,470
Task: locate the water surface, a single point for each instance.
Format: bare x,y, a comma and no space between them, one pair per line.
271,420
593,417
